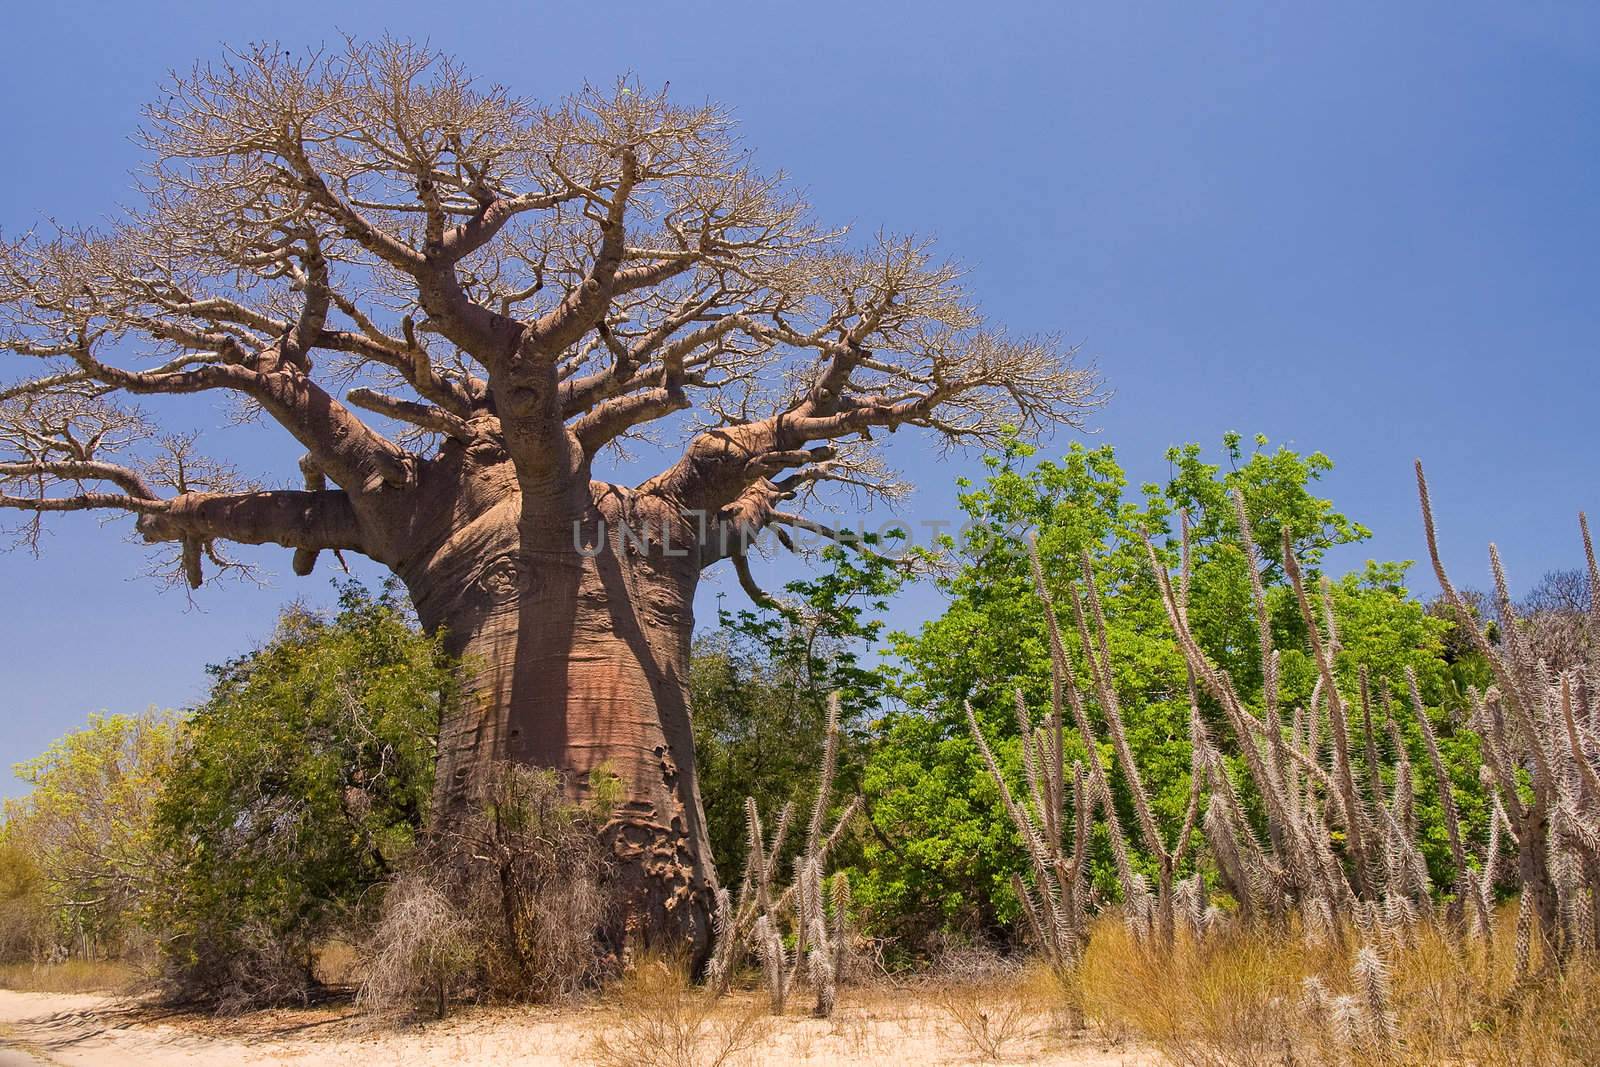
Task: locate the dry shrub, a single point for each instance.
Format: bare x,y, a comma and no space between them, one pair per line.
659,1018
538,873
26,931
992,1004
26,925
991,1022
334,963
509,904
422,950
959,961
240,968
1253,997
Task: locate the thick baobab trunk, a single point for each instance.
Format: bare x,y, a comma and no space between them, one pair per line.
578,660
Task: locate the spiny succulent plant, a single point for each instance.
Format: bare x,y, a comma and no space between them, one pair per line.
758,921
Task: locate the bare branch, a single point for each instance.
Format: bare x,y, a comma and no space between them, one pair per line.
537,284
437,420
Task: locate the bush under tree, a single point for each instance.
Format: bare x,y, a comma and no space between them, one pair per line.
509,903
303,783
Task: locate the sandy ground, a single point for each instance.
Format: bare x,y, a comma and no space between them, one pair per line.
891,1028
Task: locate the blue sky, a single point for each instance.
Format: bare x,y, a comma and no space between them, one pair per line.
1369,229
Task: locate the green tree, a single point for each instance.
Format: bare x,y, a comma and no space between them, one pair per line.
304,778
83,835
26,929
760,685
942,850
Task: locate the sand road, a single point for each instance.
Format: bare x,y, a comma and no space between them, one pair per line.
61,1030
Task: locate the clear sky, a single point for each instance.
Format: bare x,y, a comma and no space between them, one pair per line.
1370,229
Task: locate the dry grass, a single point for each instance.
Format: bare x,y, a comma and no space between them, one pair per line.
72,976
658,1018
992,1024
504,906
1249,999
1220,1003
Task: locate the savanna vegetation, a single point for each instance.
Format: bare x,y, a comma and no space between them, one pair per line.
1149,734
1160,762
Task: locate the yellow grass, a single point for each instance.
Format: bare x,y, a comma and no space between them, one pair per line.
1238,1000
73,976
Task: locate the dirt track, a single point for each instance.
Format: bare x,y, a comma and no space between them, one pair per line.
61,1030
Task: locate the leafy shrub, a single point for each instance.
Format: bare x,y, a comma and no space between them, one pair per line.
760,685
302,784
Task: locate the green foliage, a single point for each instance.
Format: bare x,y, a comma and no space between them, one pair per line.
760,685
304,779
78,849
943,850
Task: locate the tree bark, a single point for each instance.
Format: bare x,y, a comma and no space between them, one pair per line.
575,656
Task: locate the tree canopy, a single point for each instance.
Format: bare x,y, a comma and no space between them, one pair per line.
82,841
370,228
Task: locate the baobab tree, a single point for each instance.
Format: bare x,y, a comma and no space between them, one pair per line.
509,294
